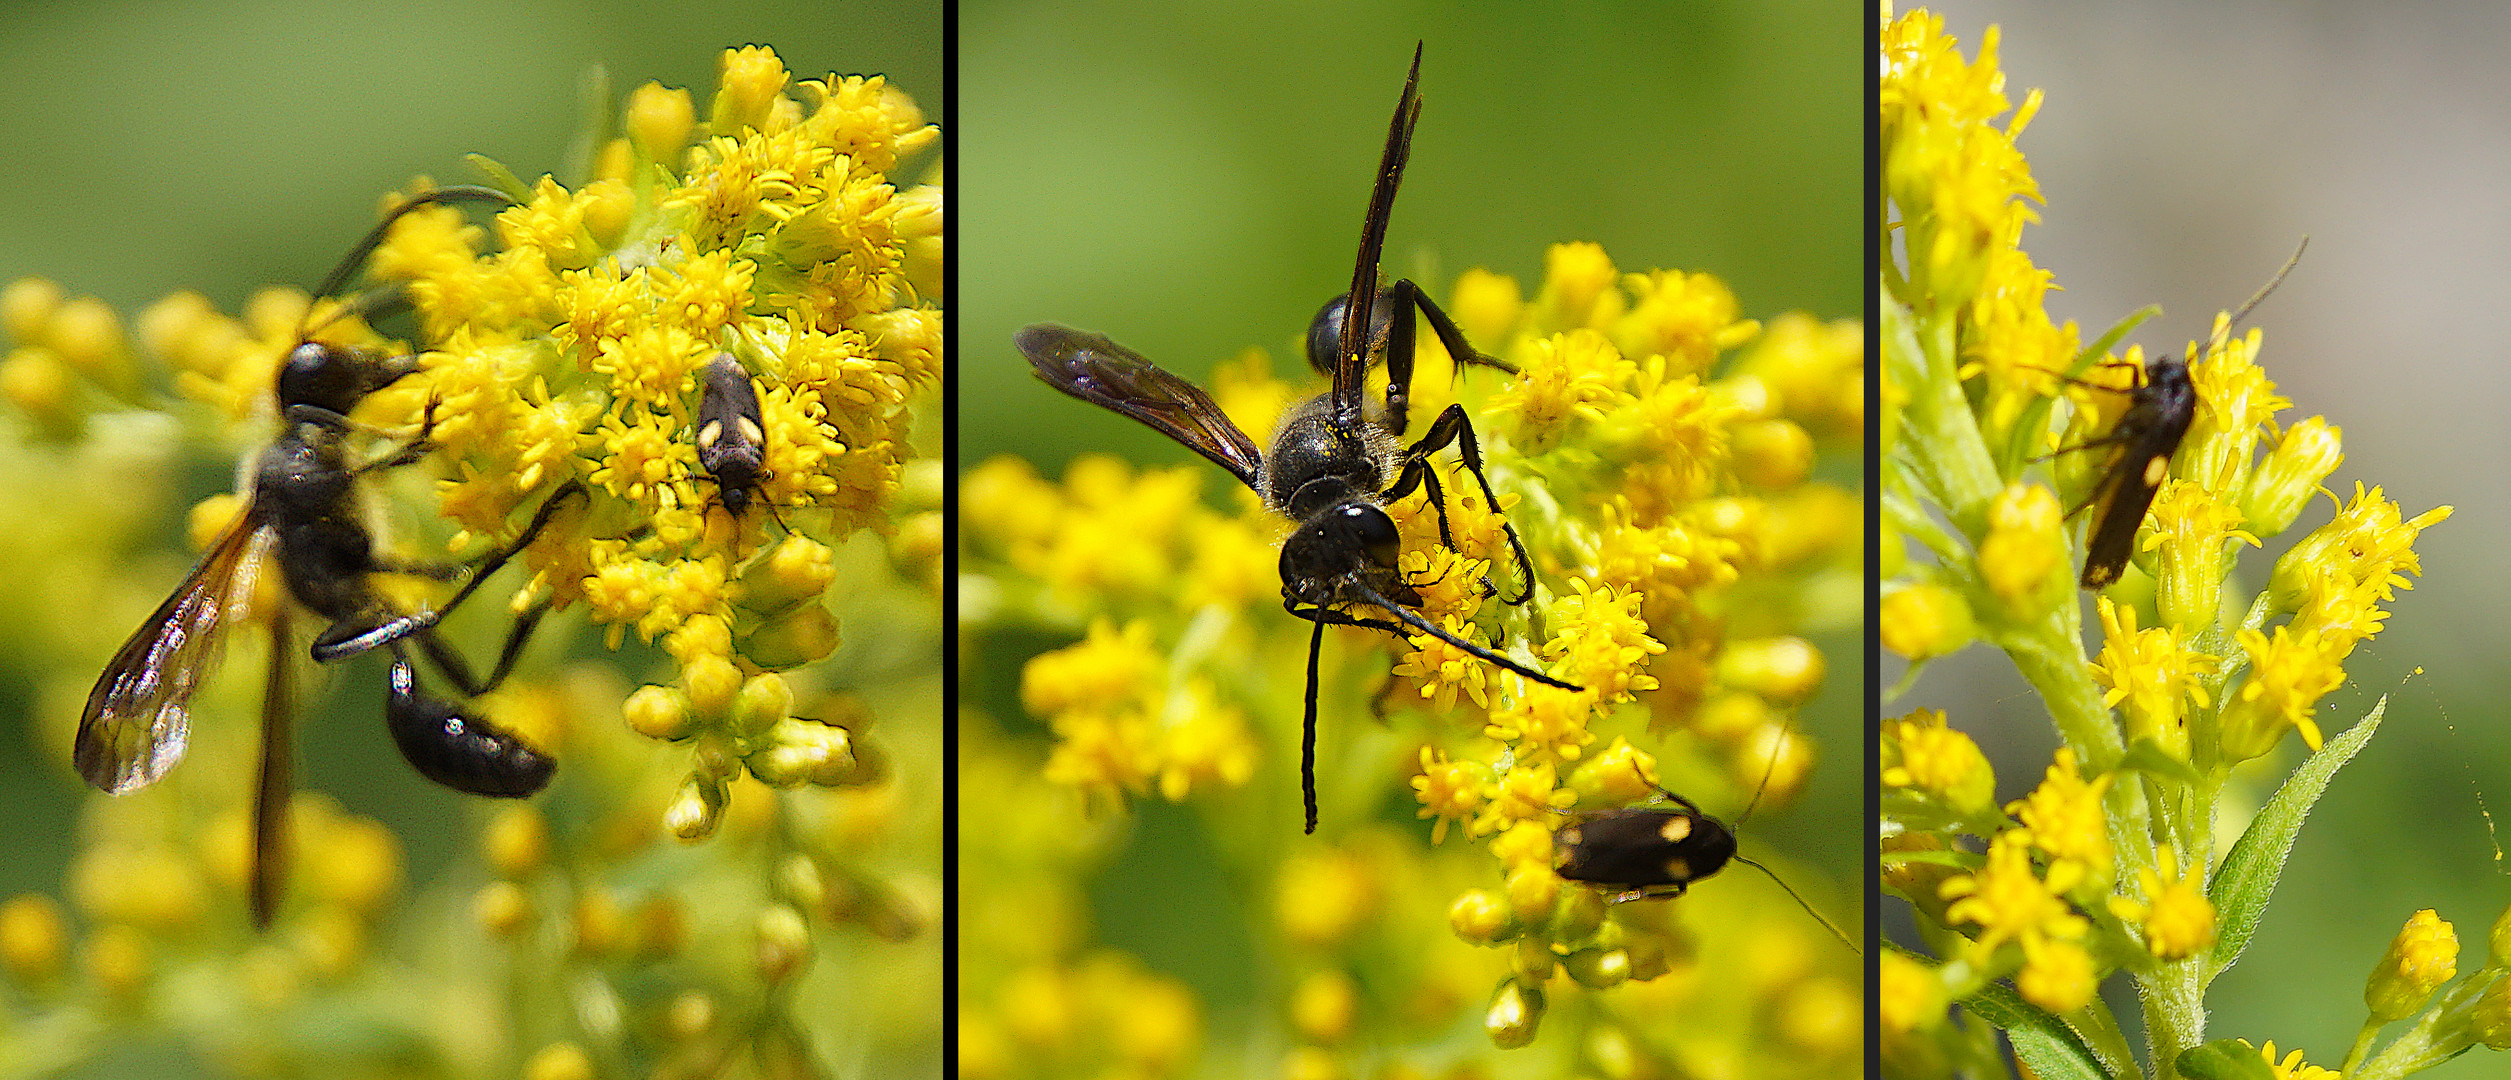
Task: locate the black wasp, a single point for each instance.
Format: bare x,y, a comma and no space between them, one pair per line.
1655,853
304,512
2160,408
1337,459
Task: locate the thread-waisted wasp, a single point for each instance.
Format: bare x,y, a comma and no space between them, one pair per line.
1337,460
303,513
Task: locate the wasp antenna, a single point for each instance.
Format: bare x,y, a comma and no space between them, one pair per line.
1414,619
2272,282
374,237
1827,924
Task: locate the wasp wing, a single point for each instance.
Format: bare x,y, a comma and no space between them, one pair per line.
2119,504
138,718
1091,367
1351,362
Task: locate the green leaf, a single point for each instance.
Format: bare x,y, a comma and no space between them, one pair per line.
1958,860
500,177
2041,1041
594,117
2224,1059
2248,878
2148,756
2034,418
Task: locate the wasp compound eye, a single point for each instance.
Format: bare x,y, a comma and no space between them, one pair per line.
457,750
1374,532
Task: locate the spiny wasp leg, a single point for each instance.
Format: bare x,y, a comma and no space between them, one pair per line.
1453,426
350,637
1392,335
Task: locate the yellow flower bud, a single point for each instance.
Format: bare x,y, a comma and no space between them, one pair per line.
1786,670
517,840
1926,620
33,938
753,78
1321,1006
784,943
1479,916
659,120
1515,1012
2424,955
1598,969
659,712
2292,473
26,309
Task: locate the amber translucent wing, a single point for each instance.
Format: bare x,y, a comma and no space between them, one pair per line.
1351,366
1091,367
138,718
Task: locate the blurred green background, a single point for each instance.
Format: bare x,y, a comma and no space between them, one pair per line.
222,148
2184,150
1190,180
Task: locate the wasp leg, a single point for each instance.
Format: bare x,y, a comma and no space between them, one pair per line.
349,638
1450,337
272,787
1453,426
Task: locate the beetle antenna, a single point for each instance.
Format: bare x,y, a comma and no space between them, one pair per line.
2272,282
1827,924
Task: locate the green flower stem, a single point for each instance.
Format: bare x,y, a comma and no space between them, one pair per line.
2175,1013
2362,1045
2440,1034
1941,436
2099,1028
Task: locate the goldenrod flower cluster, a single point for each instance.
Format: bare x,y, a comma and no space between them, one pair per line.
564,345
1994,430
1676,473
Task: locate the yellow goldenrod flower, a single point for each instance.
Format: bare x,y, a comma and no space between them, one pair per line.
1920,751
2056,975
2236,403
2191,527
2424,955
2171,908
2292,472
2152,674
2369,539
2288,674
1448,790
1957,179
1924,621
2064,819
2007,900
2293,1067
